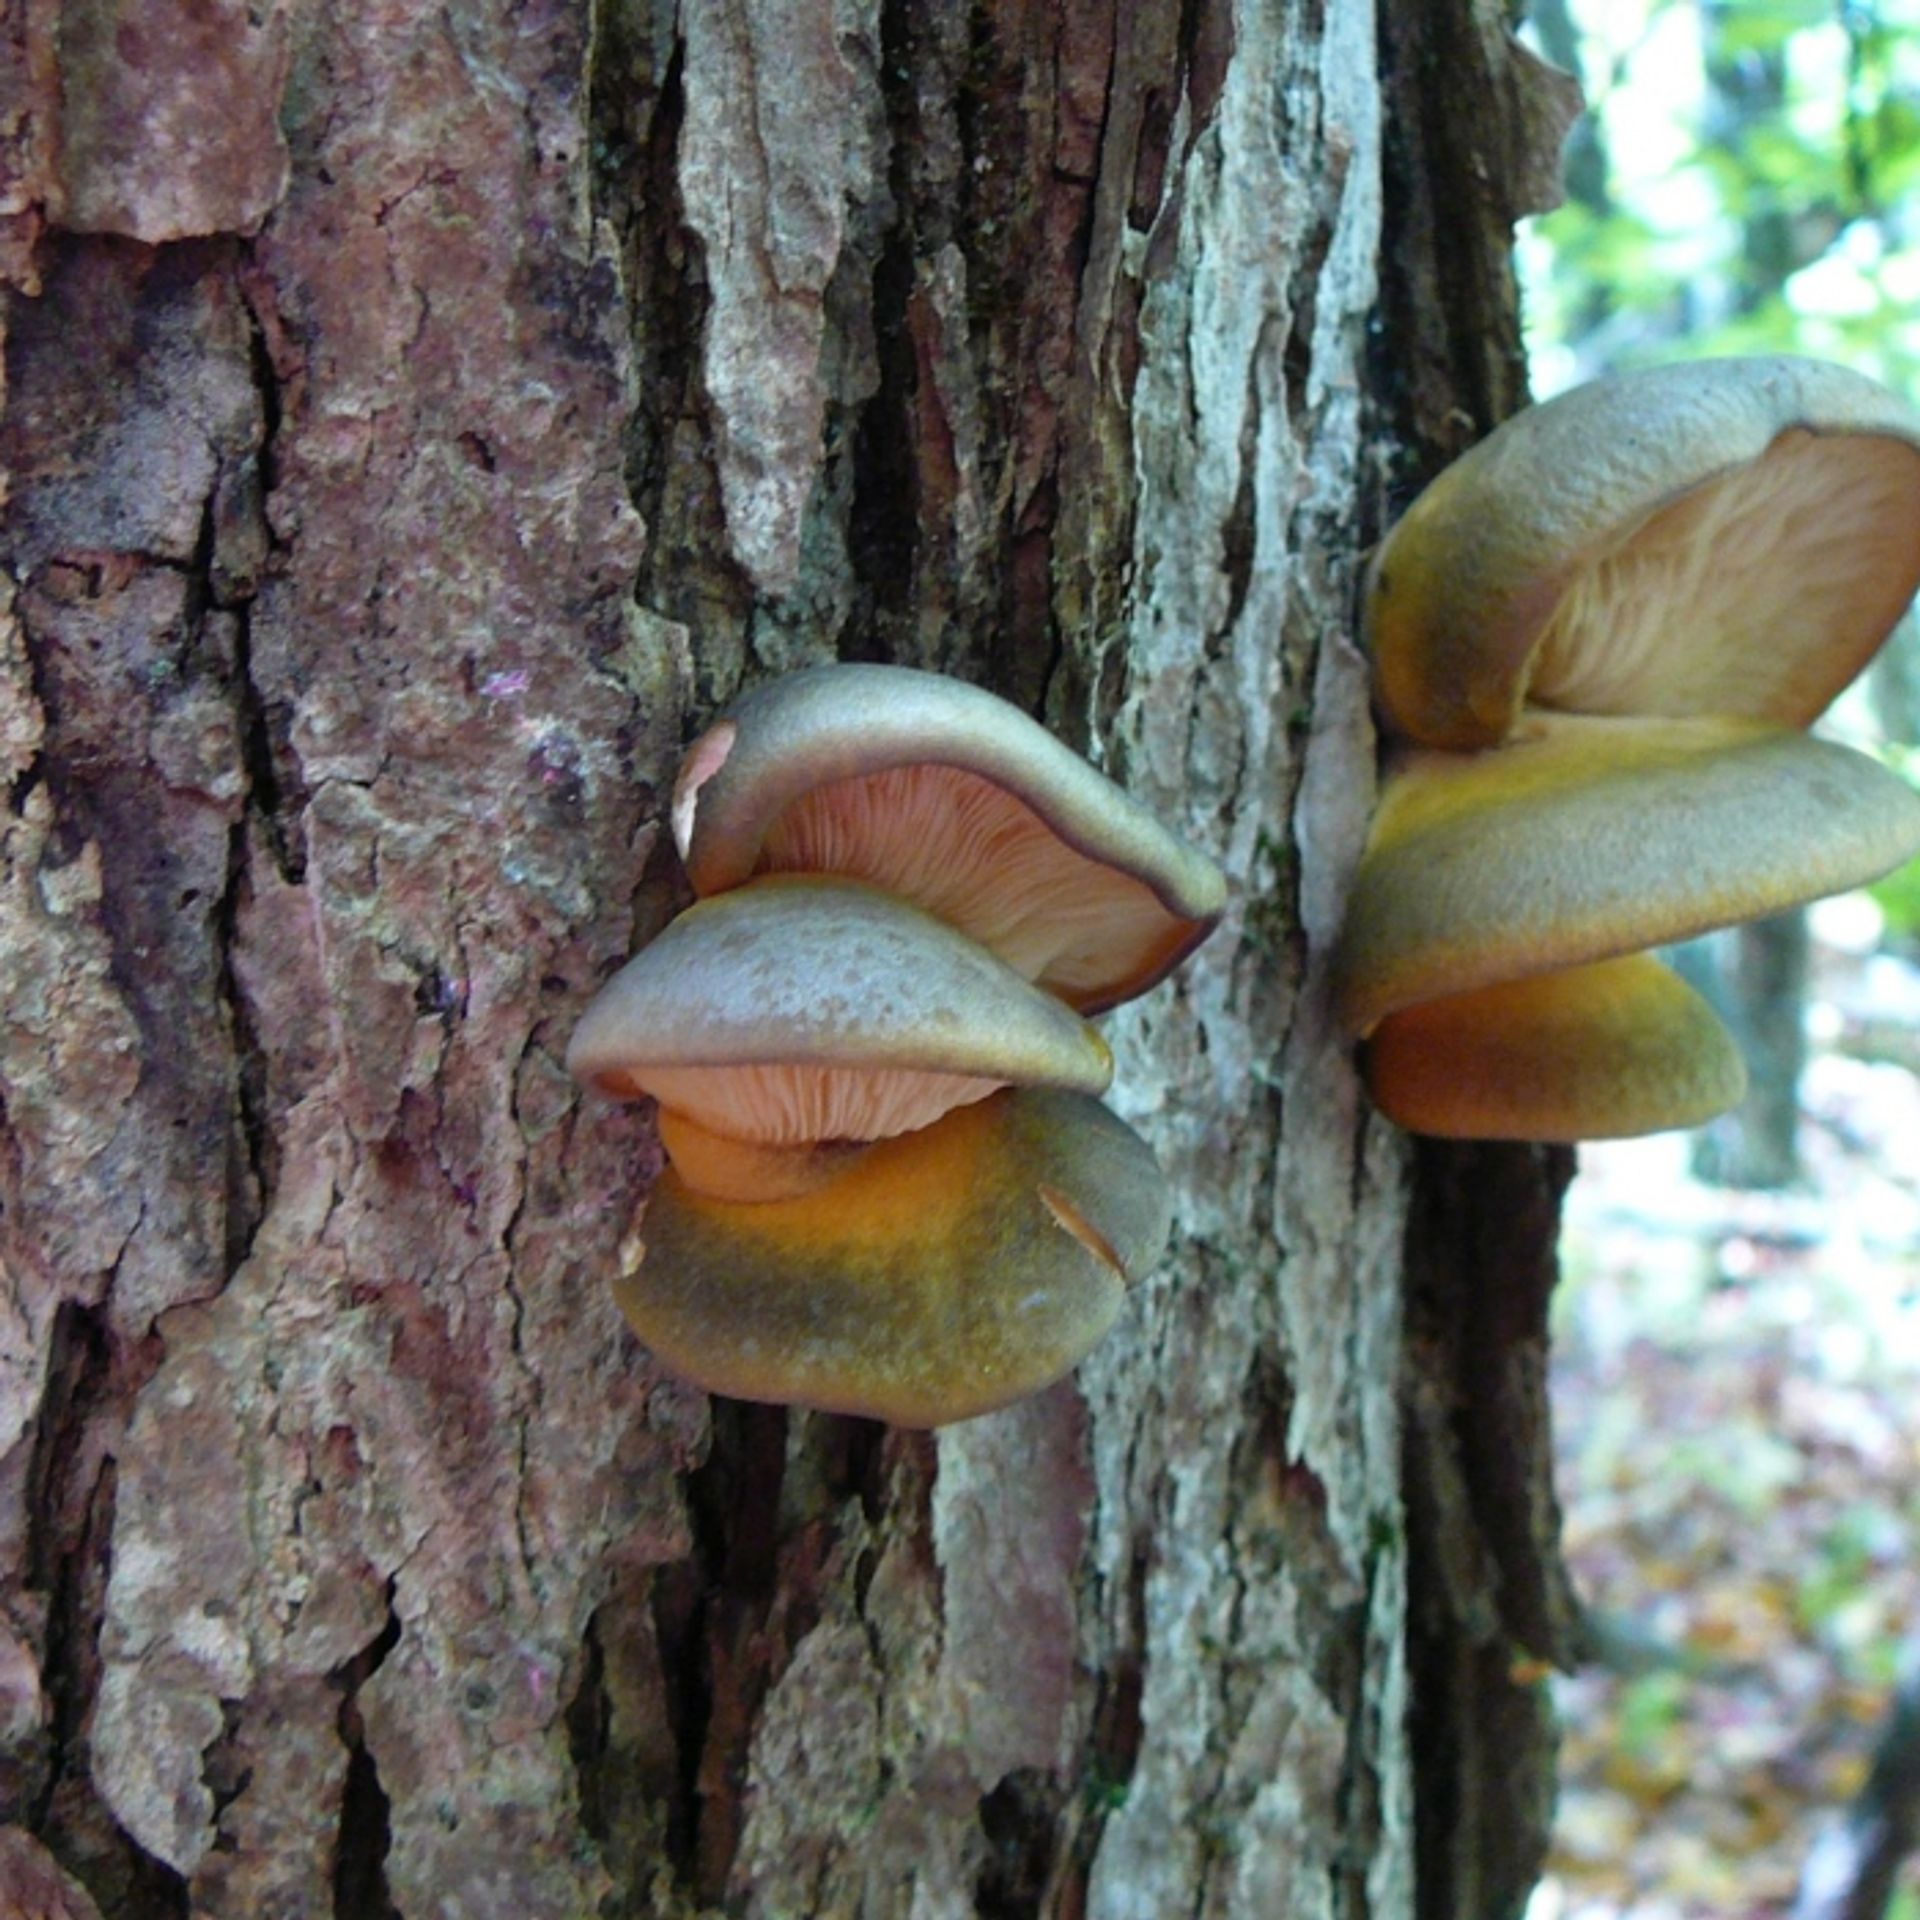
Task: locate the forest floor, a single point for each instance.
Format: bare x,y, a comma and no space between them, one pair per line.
1737,1401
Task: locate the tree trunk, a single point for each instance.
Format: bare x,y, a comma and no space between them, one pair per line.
419,420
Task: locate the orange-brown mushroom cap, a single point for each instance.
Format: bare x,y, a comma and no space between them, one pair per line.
1728,537
942,1274
1584,838
947,796
800,1010
1599,1052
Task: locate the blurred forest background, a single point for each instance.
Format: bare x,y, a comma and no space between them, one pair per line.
1738,1333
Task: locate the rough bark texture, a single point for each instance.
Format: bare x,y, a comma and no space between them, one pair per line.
418,420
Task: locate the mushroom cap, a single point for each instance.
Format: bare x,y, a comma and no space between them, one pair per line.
1599,1052
798,1010
1715,537
1585,838
941,1274
950,797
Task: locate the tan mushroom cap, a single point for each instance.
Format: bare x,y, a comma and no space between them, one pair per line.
800,1010
942,1274
1599,1052
947,796
1728,537
1585,838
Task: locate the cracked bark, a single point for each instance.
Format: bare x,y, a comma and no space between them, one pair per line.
404,460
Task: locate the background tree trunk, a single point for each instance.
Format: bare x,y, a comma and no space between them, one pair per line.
419,420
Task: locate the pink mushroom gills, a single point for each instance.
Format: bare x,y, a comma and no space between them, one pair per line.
1720,537
949,797
1597,638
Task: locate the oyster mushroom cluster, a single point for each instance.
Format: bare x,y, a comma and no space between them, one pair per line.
893,1190
1599,640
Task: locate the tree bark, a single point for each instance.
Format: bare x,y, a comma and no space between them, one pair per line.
418,421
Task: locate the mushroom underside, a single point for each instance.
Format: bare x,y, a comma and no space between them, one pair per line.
1712,537
725,1167
944,794
785,1105
973,854
1617,1048
1759,593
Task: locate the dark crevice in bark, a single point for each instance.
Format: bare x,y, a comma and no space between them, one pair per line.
1237,534
1113,1745
359,1870
726,1621
589,1721
61,1516
638,108
276,790
1020,1818
883,521
1487,1594
1028,654
224,1773
21,789
637,104
983,207
1281,1521
1037,663
623,1750
710,1614
677,1599
864,1464
1504,1218
1020,282
360,1890
986,218
1490,1599
1193,74
252,1161
69,1548
1297,355
1206,51
248,1201
1360,1806
1449,361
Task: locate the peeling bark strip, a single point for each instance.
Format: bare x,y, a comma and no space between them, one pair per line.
418,418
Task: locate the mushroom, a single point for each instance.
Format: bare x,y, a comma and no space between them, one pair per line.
1730,537
940,1274
1597,1052
784,1022
1583,838
1596,638
949,797
890,1191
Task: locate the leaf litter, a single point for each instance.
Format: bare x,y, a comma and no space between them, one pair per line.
1737,1411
